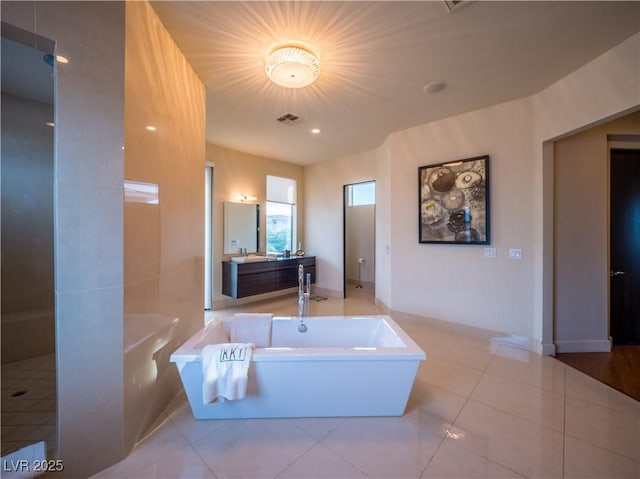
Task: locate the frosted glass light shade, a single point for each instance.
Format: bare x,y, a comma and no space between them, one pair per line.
292,67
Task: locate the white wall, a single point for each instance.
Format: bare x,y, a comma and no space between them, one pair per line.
460,284
455,282
324,184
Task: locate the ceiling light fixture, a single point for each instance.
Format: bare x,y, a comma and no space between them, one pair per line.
292,67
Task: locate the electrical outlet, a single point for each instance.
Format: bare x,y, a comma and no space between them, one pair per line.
515,253
490,253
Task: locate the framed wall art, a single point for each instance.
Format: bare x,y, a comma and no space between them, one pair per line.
454,202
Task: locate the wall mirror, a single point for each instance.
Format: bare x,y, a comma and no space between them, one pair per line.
241,227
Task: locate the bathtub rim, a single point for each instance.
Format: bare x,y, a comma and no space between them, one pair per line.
187,352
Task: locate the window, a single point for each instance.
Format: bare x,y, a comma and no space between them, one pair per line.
362,194
281,214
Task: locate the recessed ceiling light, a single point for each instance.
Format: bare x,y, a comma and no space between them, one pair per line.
151,128
50,123
315,131
434,87
61,59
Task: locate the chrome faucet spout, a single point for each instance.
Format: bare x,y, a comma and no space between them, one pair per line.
300,279
303,298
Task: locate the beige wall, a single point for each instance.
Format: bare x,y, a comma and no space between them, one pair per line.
236,173
27,229
360,227
324,206
581,236
601,90
456,283
453,283
163,241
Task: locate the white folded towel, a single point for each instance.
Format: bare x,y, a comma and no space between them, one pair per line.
251,328
225,370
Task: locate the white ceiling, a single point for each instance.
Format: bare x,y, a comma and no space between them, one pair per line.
375,59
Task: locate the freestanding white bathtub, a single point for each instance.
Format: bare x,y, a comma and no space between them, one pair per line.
341,366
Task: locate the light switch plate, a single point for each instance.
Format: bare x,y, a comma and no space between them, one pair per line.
490,253
515,253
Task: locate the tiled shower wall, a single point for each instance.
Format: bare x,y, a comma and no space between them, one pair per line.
106,364
27,229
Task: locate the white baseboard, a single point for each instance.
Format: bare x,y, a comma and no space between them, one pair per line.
546,349
584,346
520,342
527,344
329,293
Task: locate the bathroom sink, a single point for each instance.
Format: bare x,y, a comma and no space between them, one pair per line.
249,259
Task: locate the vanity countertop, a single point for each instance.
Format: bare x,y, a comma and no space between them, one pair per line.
261,258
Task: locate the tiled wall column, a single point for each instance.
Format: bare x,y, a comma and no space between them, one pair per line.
88,223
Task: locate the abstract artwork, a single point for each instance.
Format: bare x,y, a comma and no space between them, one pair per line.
454,202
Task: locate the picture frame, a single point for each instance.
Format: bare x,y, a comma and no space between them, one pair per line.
453,205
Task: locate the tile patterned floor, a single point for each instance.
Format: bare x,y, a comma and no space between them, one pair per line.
479,408
29,404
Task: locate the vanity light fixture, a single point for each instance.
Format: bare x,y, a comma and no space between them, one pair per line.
244,198
292,67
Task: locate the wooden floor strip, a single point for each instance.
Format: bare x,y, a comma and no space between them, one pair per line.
619,369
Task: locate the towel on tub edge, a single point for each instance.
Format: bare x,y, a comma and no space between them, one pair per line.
225,369
251,328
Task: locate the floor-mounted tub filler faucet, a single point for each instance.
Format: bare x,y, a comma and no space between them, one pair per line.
303,298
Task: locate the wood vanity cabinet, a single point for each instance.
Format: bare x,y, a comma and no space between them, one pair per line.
246,279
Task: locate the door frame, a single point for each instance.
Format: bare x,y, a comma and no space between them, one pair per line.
208,236
345,205
614,142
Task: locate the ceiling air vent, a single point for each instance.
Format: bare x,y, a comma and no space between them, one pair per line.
453,5
289,119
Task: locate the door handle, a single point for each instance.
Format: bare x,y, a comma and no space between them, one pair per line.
616,273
